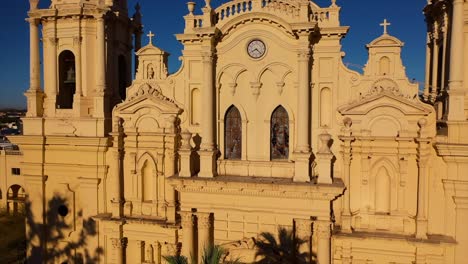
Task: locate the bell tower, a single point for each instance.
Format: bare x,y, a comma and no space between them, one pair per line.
87,57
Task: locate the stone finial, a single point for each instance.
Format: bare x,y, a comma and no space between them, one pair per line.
333,3
191,7
186,137
346,130
33,4
208,3
325,140
422,123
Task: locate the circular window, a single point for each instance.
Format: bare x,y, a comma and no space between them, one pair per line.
63,210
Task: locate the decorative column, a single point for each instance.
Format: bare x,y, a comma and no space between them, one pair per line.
208,147
428,67
457,190
51,79
204,233
138,32
324,158
119,245
445,52
188,246
423,156
100,66
347,156
323,233
185,152
140,245
435,61
79,86
304,232
456,99
116,161
34,94
302,152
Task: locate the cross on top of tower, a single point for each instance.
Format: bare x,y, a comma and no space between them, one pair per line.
150,36
385,24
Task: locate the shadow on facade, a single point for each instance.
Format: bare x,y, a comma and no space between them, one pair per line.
60,240
285,249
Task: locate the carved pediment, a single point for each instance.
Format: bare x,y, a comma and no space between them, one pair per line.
386,99
389,86
148,95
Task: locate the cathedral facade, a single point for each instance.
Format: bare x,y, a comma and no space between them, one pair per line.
262,127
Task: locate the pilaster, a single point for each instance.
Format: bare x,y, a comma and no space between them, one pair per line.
119,245
456,101
188,245
346,138
322,229
204,233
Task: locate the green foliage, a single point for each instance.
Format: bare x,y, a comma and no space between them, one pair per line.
285,250
176,259
211,255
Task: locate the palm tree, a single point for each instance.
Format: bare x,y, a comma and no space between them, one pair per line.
211,255
285,250
176,259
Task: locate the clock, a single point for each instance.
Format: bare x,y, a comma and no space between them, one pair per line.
256,49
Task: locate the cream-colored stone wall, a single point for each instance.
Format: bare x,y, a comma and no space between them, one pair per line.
370,176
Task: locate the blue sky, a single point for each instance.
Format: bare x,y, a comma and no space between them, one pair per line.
165,18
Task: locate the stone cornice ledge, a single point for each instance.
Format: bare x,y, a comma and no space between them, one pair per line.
446,149
259,186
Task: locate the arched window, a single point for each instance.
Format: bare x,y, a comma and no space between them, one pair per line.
67,80
232,134
122,77
279,134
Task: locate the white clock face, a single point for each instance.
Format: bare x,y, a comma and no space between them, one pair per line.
256,49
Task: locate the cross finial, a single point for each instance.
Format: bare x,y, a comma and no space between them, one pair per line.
385,24
150,36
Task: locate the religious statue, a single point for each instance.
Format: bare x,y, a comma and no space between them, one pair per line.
149,256
150,72
70,76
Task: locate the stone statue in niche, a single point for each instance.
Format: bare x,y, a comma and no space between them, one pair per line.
149,256
70,76
150,72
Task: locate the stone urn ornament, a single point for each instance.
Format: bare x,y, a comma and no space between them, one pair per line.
33,4
191,6
208,3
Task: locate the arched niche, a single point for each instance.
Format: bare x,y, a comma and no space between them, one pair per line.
382,191
233,134
325,107
148,178
384,65
195,107
67,80
385,126
147,124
